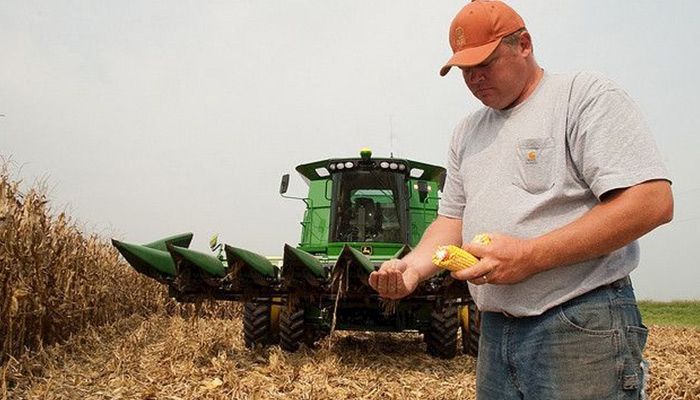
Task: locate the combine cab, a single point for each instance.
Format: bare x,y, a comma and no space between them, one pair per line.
359,213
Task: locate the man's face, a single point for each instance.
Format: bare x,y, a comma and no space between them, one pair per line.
499,81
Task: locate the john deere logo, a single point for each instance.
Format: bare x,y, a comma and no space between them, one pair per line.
460,41
367,250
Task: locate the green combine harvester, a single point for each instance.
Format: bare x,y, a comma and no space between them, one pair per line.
359,213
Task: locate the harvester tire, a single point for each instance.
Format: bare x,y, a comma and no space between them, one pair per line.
291,329
471,329
257,325
441,336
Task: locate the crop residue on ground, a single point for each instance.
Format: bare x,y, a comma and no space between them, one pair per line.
172,357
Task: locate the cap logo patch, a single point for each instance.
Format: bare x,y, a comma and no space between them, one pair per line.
532,155
460,40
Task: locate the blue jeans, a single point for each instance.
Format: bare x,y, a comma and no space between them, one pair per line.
587,348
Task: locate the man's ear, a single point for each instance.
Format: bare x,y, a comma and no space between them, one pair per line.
525,44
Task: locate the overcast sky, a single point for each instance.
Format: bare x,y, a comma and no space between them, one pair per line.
150,118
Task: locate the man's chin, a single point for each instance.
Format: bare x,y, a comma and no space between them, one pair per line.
489,102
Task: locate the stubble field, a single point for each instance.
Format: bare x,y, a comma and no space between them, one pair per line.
174,358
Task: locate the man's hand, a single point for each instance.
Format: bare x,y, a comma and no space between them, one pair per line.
394,280
506,260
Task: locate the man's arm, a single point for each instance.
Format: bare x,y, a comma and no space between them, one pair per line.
399,278
622,216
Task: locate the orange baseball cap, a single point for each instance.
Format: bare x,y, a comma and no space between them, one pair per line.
477,30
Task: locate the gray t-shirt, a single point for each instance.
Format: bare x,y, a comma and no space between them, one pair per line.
541,165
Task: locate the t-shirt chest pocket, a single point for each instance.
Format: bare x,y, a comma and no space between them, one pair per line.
533,167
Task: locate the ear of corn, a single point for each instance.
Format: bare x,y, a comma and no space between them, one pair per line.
454,258
482,238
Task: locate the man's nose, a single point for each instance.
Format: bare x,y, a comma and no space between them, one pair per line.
473,75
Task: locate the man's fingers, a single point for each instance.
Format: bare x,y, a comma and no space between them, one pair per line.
475,273
478,280
389,280
396,287
476,249
373,280
391,284
401,289
472,272
381,281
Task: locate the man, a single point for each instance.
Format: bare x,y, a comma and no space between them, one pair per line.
563,175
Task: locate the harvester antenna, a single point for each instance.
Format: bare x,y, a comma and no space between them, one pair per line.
391,136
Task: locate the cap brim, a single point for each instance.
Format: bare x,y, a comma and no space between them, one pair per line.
470,57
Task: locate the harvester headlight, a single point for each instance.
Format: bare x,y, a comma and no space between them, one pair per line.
322,172
340,165
384,164
349,164
332,167
402,167
393,166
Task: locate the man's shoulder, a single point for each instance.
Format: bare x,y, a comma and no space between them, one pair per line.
591,83
581,80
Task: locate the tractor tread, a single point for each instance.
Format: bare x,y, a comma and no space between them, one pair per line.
441,337
291,329
257,329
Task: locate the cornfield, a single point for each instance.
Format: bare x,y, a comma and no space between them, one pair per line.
77,323
55,281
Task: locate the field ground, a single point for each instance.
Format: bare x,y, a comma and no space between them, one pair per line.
174,358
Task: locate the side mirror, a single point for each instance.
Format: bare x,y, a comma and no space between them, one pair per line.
441,180
423,190
284,185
